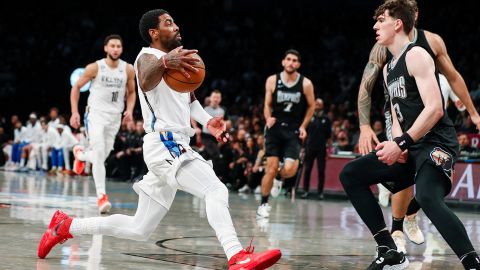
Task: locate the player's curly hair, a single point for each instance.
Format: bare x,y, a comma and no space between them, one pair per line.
399,9
148,21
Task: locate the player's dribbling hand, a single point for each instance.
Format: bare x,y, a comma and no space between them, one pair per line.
388,152
367,136
270,122
181,60
75,120
216,126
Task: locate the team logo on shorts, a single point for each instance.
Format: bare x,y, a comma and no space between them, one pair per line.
442,158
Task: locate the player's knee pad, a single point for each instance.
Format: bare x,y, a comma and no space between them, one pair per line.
218,194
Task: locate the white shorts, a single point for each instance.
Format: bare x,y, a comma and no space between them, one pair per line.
160,182
102,127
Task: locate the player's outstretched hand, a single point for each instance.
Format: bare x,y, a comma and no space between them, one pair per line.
217,128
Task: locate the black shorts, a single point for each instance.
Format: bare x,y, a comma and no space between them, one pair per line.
282,141
400,176
441,157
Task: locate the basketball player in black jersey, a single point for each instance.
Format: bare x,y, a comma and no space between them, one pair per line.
379,56
289,105
424,148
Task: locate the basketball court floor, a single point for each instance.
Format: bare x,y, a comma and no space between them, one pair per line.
311,234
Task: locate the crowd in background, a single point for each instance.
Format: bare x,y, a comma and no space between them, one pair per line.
45,143
240,52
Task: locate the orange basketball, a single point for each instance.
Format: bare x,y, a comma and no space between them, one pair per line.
178,82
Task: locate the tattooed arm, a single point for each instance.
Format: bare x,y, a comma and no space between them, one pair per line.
376,61
151,68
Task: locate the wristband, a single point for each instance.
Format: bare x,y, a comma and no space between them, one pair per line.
404,141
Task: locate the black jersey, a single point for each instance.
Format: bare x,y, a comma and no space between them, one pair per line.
289,103
407,104
421,40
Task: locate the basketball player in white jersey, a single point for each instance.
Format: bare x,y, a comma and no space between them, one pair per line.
113,81
172,162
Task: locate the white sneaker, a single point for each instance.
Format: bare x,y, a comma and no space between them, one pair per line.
258,189
277,187
399,239
412,230
383,195
244,189
263,211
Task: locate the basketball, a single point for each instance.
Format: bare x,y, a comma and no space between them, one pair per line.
178,82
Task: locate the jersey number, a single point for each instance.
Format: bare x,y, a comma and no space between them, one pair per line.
288,108
114,96
398,112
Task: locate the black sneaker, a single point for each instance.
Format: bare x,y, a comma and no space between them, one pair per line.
389,259
471,261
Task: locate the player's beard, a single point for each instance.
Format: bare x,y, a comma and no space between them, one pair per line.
172,43
290,71
112,57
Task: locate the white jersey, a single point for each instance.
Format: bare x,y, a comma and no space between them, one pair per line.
163,108
19,134
108,89
33,132
54,123
50,137
66,140
447,92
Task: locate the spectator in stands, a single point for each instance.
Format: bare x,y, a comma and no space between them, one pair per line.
49,136
343,142
54,119
468,126
31,137
3,144
208,141
465,148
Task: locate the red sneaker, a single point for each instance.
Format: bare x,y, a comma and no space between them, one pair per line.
104,205
78,165
247,260
57,232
